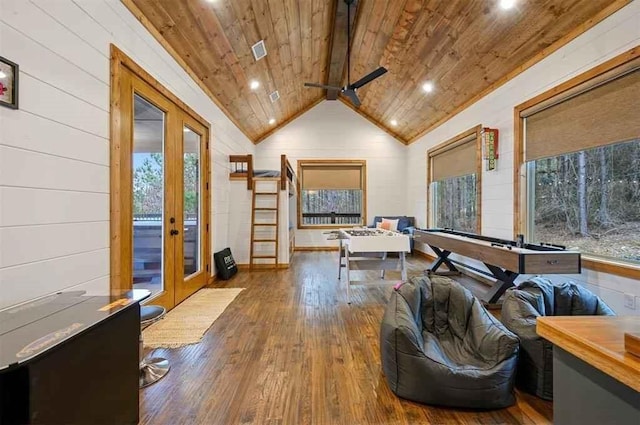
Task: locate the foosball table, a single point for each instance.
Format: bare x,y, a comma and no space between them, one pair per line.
367,248
504,259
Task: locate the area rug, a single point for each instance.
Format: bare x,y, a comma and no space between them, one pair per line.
187,323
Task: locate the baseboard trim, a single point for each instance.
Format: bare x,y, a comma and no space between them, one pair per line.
316,248
278,266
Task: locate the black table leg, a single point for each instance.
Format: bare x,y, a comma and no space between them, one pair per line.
505,281
442,259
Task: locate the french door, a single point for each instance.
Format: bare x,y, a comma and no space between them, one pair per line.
163,193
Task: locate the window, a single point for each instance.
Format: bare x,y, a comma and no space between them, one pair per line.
454,182
580,157
589,200
332,193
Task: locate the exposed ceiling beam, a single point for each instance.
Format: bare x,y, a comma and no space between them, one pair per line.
339,42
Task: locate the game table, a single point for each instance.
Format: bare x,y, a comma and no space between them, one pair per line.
504,259
367,248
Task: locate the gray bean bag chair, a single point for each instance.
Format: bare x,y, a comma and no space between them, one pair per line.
539,297
440,346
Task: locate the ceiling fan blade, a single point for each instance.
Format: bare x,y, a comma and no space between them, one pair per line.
322,86
368,78
351,94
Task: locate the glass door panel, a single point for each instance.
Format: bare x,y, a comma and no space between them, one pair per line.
148,174
192,202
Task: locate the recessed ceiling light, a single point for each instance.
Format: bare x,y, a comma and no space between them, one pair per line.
3,75
427,87
254,84
394,123
507,4
272,121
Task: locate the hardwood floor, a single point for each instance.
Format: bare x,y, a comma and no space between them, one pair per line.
290,350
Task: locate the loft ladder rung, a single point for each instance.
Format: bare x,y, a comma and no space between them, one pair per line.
267,254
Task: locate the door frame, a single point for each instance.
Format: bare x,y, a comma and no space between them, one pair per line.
189,284
121,200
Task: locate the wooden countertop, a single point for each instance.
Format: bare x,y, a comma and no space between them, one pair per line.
597,340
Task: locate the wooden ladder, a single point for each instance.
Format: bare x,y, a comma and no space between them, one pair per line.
259,191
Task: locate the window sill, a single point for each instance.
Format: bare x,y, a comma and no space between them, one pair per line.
611,267
327,226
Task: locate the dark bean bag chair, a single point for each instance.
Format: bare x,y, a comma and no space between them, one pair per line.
440,346
520,309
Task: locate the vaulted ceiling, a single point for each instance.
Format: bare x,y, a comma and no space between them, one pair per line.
464,48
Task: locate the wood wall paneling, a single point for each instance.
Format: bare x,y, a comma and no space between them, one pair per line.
53,160
27,244
62,124
214,40
466,49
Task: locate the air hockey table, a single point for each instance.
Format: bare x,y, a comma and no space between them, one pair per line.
367,249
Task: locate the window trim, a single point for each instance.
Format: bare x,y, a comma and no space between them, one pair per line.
449,144
520,192
359,162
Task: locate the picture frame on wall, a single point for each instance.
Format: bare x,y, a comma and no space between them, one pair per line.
9,72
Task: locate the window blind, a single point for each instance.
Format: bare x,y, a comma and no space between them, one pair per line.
331,176
454,160
605,113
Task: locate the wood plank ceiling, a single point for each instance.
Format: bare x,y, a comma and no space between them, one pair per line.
463,47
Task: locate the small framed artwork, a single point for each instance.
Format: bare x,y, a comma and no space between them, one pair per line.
8,83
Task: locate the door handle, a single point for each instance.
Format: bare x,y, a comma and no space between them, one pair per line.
174,232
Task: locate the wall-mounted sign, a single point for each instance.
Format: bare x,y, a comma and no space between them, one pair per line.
490,147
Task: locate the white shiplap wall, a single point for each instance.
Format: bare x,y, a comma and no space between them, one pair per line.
54,151
332,130
616,34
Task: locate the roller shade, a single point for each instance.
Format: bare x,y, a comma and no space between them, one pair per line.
331,176
606,114
459,160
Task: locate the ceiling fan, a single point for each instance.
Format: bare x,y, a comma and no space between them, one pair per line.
350,89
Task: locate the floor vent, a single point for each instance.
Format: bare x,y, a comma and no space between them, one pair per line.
274,96
259,50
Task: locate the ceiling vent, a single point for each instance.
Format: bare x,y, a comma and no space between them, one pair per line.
259,50
274,96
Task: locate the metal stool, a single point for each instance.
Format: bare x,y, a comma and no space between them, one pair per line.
152,369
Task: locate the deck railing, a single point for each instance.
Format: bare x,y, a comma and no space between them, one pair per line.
158,217
331,218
